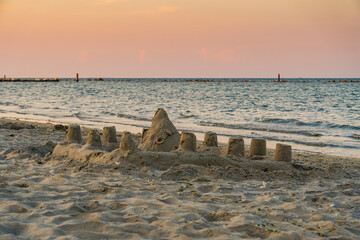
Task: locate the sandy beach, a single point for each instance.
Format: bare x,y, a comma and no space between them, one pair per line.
47,197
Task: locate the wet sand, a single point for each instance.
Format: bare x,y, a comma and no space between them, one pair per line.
42,196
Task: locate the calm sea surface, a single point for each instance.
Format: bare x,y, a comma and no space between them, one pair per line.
310,114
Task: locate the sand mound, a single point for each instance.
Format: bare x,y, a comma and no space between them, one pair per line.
162,136
33,151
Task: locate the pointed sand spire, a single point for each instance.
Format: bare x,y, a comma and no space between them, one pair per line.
162,136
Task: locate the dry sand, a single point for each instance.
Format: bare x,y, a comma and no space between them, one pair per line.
46,196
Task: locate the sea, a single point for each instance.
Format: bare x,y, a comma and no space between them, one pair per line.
314,115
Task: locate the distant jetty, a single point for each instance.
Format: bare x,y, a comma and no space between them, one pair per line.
194,80
30,80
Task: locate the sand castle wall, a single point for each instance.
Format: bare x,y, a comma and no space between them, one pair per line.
161,148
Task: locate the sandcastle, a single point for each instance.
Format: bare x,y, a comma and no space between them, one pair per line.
187,142
210,139
283,153
73,134
162,135
127,143
109,139
93,140
161,147
235,147
258,147
143,133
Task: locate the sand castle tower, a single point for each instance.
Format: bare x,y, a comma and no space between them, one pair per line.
235,147
162,136
109,138
210,139
258,147
127,143
143,133
93,140
187,142
283,153
73,134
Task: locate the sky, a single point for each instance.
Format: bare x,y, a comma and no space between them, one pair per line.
180,38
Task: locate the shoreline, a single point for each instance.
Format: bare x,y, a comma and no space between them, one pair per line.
42,132
241,110
222,139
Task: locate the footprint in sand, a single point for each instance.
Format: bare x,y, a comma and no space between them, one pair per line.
207,188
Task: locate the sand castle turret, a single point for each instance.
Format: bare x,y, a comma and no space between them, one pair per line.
73,134
210,139
258,147
187,142
162,135
283,153
93,140
109,138
143,133
127,143
235,147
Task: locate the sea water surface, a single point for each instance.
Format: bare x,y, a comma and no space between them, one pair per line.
310,114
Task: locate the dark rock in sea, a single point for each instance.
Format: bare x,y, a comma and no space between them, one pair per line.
356,136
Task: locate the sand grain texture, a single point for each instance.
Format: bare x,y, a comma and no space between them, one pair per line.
45,197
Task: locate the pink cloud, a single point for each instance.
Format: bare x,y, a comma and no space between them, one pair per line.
205,54
83,56
142,56
157,10
223,56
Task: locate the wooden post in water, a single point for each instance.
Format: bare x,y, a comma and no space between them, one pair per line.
77,77
278,77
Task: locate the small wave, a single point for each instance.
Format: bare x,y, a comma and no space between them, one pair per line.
128,116
312,144
108,113
301,123
77,114
187,116
249,127
290,120
343,126
8,104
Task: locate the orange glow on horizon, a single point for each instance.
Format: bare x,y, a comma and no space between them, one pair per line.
204,38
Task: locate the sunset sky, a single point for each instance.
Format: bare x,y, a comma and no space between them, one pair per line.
180,38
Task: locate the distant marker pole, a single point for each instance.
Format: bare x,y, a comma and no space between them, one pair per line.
278,77
77,77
